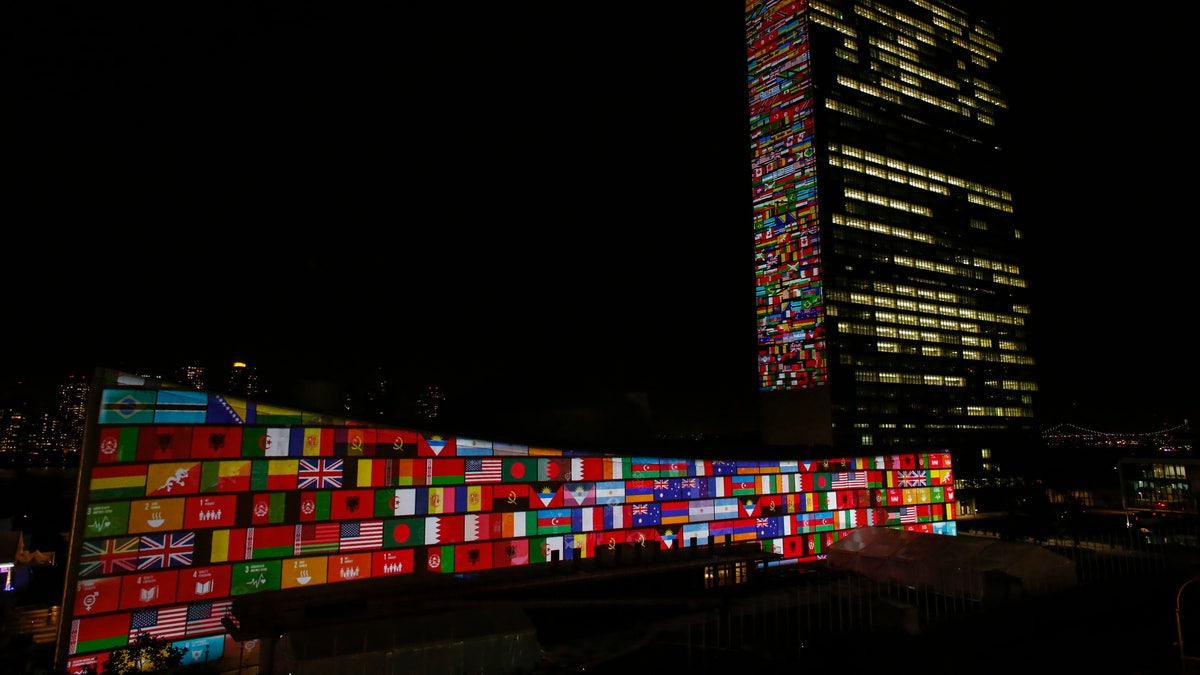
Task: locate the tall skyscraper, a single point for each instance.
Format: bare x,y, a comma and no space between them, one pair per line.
892,306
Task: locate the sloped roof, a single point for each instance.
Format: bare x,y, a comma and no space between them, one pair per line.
967,566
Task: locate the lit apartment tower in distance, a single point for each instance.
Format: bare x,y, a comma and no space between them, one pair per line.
892,311
243,380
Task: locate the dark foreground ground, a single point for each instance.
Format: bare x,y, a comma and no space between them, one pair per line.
1120,620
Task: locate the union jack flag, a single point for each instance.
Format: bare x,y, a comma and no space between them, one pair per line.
319,473
661,484
913,478
688,483
105,557
161,551
639,510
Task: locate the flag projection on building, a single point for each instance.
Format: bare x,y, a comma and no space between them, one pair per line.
282,506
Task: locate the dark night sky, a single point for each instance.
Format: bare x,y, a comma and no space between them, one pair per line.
557,201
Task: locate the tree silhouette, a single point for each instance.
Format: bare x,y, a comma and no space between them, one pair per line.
145,655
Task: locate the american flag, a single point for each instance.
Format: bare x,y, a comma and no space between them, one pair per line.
165,623
482,470
913,478
849,479
108,556
319,473
161,551
205,617
356,536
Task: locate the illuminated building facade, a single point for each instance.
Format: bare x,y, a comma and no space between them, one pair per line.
189,501
892,311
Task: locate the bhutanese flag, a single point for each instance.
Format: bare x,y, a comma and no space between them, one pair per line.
228,545
173,478
119,481
117,444
274,474
225,476
315,505
403,532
